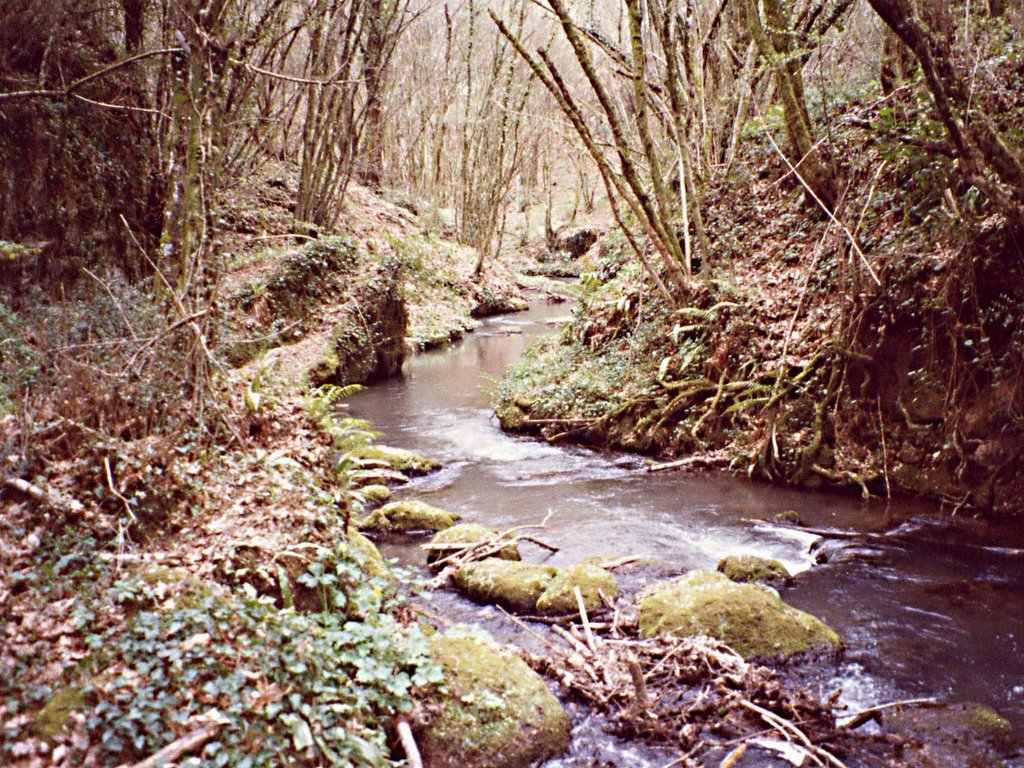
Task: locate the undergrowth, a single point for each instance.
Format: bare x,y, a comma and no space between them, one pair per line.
165,656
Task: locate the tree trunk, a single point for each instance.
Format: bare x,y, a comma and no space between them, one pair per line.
134,12
777,49
373,70
897,62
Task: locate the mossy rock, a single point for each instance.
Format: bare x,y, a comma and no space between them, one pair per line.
559,599
467,533
401,516
494,712
53,718
750,618
376,494
748,569
512,585
953,735
398,459
788,517
373,560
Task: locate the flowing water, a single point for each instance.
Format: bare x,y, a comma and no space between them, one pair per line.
919,614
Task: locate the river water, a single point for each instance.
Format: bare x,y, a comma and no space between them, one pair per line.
919,615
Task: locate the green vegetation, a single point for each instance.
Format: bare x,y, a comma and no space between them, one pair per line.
18,364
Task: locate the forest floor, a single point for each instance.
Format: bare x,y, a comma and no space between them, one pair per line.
123,550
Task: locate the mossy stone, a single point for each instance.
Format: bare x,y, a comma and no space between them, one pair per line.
413,515
376,494
750,618
788,517
512,585
407,462
374,563
559,599
954,735
494,712
467,533
175,584
53,718
751,568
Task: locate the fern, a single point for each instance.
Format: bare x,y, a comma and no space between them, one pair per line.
325,407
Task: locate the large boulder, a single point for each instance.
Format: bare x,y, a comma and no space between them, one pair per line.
452,540
494,711
752,619
559,598
512,585
576,241
402,516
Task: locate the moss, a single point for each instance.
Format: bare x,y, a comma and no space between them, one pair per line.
985,721
494,710
468,533
559,599
414,515
516,586
172,583
372,557
961,734
751,568
398,459
53,718
376,493
789,517
750,618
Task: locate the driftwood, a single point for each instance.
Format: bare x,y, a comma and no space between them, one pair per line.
670,690
713,460
412,752
865,715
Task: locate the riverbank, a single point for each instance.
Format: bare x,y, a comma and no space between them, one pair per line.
174,588
875,354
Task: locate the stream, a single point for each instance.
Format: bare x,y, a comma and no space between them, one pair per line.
919,615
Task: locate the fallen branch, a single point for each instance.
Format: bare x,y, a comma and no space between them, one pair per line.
412,752
858,719
179,747
44,496
791,733
481,550
714,460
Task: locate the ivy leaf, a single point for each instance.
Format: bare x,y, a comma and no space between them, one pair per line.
302,736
